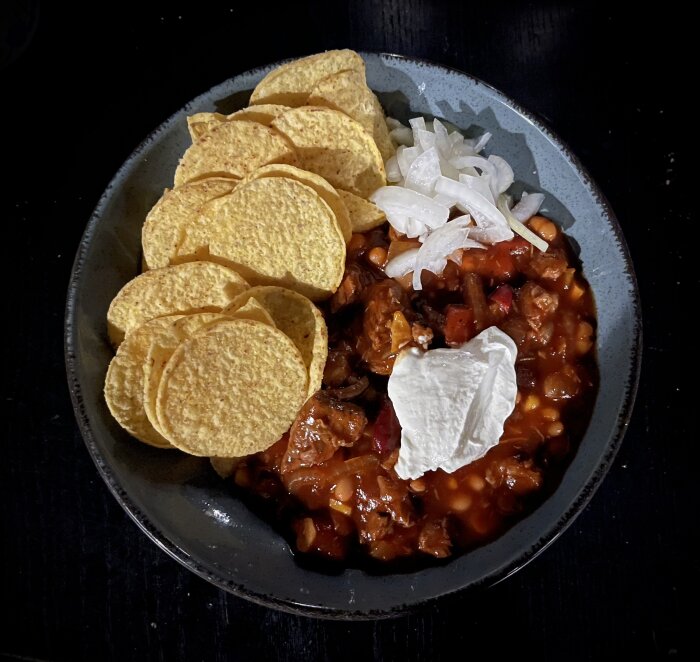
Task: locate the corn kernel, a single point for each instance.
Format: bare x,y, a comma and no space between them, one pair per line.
531,403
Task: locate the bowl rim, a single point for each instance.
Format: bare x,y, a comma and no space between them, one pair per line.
240,590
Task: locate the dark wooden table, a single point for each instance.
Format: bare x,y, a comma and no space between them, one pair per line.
79,581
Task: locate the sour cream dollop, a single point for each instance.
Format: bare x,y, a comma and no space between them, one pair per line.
452,403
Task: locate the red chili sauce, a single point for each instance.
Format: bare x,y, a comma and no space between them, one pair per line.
330,482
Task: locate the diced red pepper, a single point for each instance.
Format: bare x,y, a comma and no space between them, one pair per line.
387,430
459,324
503,296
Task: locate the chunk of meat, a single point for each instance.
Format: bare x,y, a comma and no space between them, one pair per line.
518,477
433,318
474,297
536,303
338,366
422,335
396,501
434,539
323,425
549,265
382,300
356,280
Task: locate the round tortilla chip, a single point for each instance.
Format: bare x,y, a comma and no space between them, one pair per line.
262,114
251,310
298,318
232,390
335,146
199,123
125,381
274,231
380,131
291,83
364,214
314,181
163,227
233,149
182,288
347,92
160,350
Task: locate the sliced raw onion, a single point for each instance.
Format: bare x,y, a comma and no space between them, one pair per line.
528,206
412,203
437,169
486,215
393,172
518,227
439,245
424,172
503,177
481,142
402,264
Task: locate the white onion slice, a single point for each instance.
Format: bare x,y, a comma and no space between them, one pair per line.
439,245
424,172
406,156
456,138
402,136
518,227
481,142
424,138
442,140
393,172
486,167
528,206
417,123
398,201
486,215
503,177
402,264
480,185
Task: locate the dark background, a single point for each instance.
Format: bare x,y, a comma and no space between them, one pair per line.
78,580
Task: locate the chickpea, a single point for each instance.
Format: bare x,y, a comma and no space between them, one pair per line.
307,535
377,256
476,482
555,429
543,227
531,402
460,503
550,414
344,489
242,477
357,242
418,485
584,331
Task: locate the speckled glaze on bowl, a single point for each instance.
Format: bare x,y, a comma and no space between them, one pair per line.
178,502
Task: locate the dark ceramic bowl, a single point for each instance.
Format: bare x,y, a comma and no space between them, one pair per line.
189,513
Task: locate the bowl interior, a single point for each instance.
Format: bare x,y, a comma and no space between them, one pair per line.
178,500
